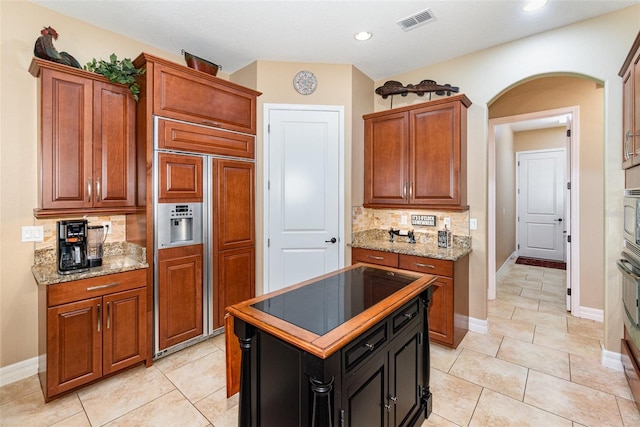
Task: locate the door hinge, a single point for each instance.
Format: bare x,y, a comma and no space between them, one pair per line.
268,243
569,239
568,133
568,185
341,417
518,246
518,162
269,128
268,185
569,291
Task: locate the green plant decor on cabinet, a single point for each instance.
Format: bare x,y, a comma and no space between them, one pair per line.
123,72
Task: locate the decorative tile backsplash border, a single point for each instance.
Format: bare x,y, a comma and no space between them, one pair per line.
382,219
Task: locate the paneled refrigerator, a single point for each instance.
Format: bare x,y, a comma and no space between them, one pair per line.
204,246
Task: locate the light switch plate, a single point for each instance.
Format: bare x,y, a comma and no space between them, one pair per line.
33,233
473,223
447,222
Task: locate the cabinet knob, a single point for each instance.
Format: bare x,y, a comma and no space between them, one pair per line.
408,315
370,346
387,407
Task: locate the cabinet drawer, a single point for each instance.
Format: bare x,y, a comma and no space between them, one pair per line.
407,315
439,267
184,94
363,348
62,293
202,139
374,257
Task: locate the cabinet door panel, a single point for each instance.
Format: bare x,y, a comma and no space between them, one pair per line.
74,345
234,204
180,304
66,140
180,178
386,157
235,280
435,163
124,329
365,399
195,97
202,139
405,373
114,146
441,311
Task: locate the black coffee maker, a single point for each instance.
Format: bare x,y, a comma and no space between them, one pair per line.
72,246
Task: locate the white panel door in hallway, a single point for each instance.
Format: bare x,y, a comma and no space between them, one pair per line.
304,193
541,225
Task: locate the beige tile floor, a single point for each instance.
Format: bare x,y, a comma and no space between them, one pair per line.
537,366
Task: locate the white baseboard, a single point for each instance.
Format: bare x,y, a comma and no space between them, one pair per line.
18,371
505,265
612,360
592,314
479,326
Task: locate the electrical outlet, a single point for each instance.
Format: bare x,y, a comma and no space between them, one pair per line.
473,223
33,233
107,226
403,219
447,222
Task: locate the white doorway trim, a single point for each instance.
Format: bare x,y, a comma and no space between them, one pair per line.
266,174
573,257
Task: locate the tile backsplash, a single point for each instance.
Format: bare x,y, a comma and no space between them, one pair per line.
118,229
382,219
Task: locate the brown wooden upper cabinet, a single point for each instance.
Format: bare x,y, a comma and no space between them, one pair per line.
415,156
88,143
630,74
197,97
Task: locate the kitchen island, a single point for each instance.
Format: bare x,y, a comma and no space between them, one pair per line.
347,348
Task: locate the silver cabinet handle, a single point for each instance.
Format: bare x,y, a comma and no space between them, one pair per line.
97,189
375,257
108,285
419,264
210,123
404,191
108,315
411,190
408,316
370,346
99,318
89,187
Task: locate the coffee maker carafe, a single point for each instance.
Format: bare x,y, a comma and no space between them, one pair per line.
72,246
96,236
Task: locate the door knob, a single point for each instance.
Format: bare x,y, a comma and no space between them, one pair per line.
333,240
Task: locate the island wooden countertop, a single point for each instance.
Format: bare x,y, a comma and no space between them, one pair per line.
323,346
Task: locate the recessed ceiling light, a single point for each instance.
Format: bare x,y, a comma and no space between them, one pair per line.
533,5
363,35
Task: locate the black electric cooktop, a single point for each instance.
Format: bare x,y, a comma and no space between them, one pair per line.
326,304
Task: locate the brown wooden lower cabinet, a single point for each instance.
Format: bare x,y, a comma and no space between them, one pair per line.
235,280
449,309
180,307
92,328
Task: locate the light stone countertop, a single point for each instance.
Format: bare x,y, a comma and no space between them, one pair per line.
426,246
118,258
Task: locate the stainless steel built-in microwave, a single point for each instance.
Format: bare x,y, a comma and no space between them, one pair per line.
631,215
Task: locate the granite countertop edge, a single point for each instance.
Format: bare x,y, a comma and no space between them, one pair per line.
125,258
426,246
449,254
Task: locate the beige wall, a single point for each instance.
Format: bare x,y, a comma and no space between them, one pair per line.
338,85
594,48
505,195
540,139
482,76
556,92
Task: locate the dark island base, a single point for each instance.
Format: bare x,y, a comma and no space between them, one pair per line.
380,378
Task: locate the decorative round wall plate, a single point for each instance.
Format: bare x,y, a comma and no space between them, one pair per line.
305,82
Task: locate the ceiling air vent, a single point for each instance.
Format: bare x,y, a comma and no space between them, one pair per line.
416,20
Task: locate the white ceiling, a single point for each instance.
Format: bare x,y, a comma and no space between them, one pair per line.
236,33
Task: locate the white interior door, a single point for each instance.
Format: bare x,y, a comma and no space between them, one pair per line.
304,193
541,225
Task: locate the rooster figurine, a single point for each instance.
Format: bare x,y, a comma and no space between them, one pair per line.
44,49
